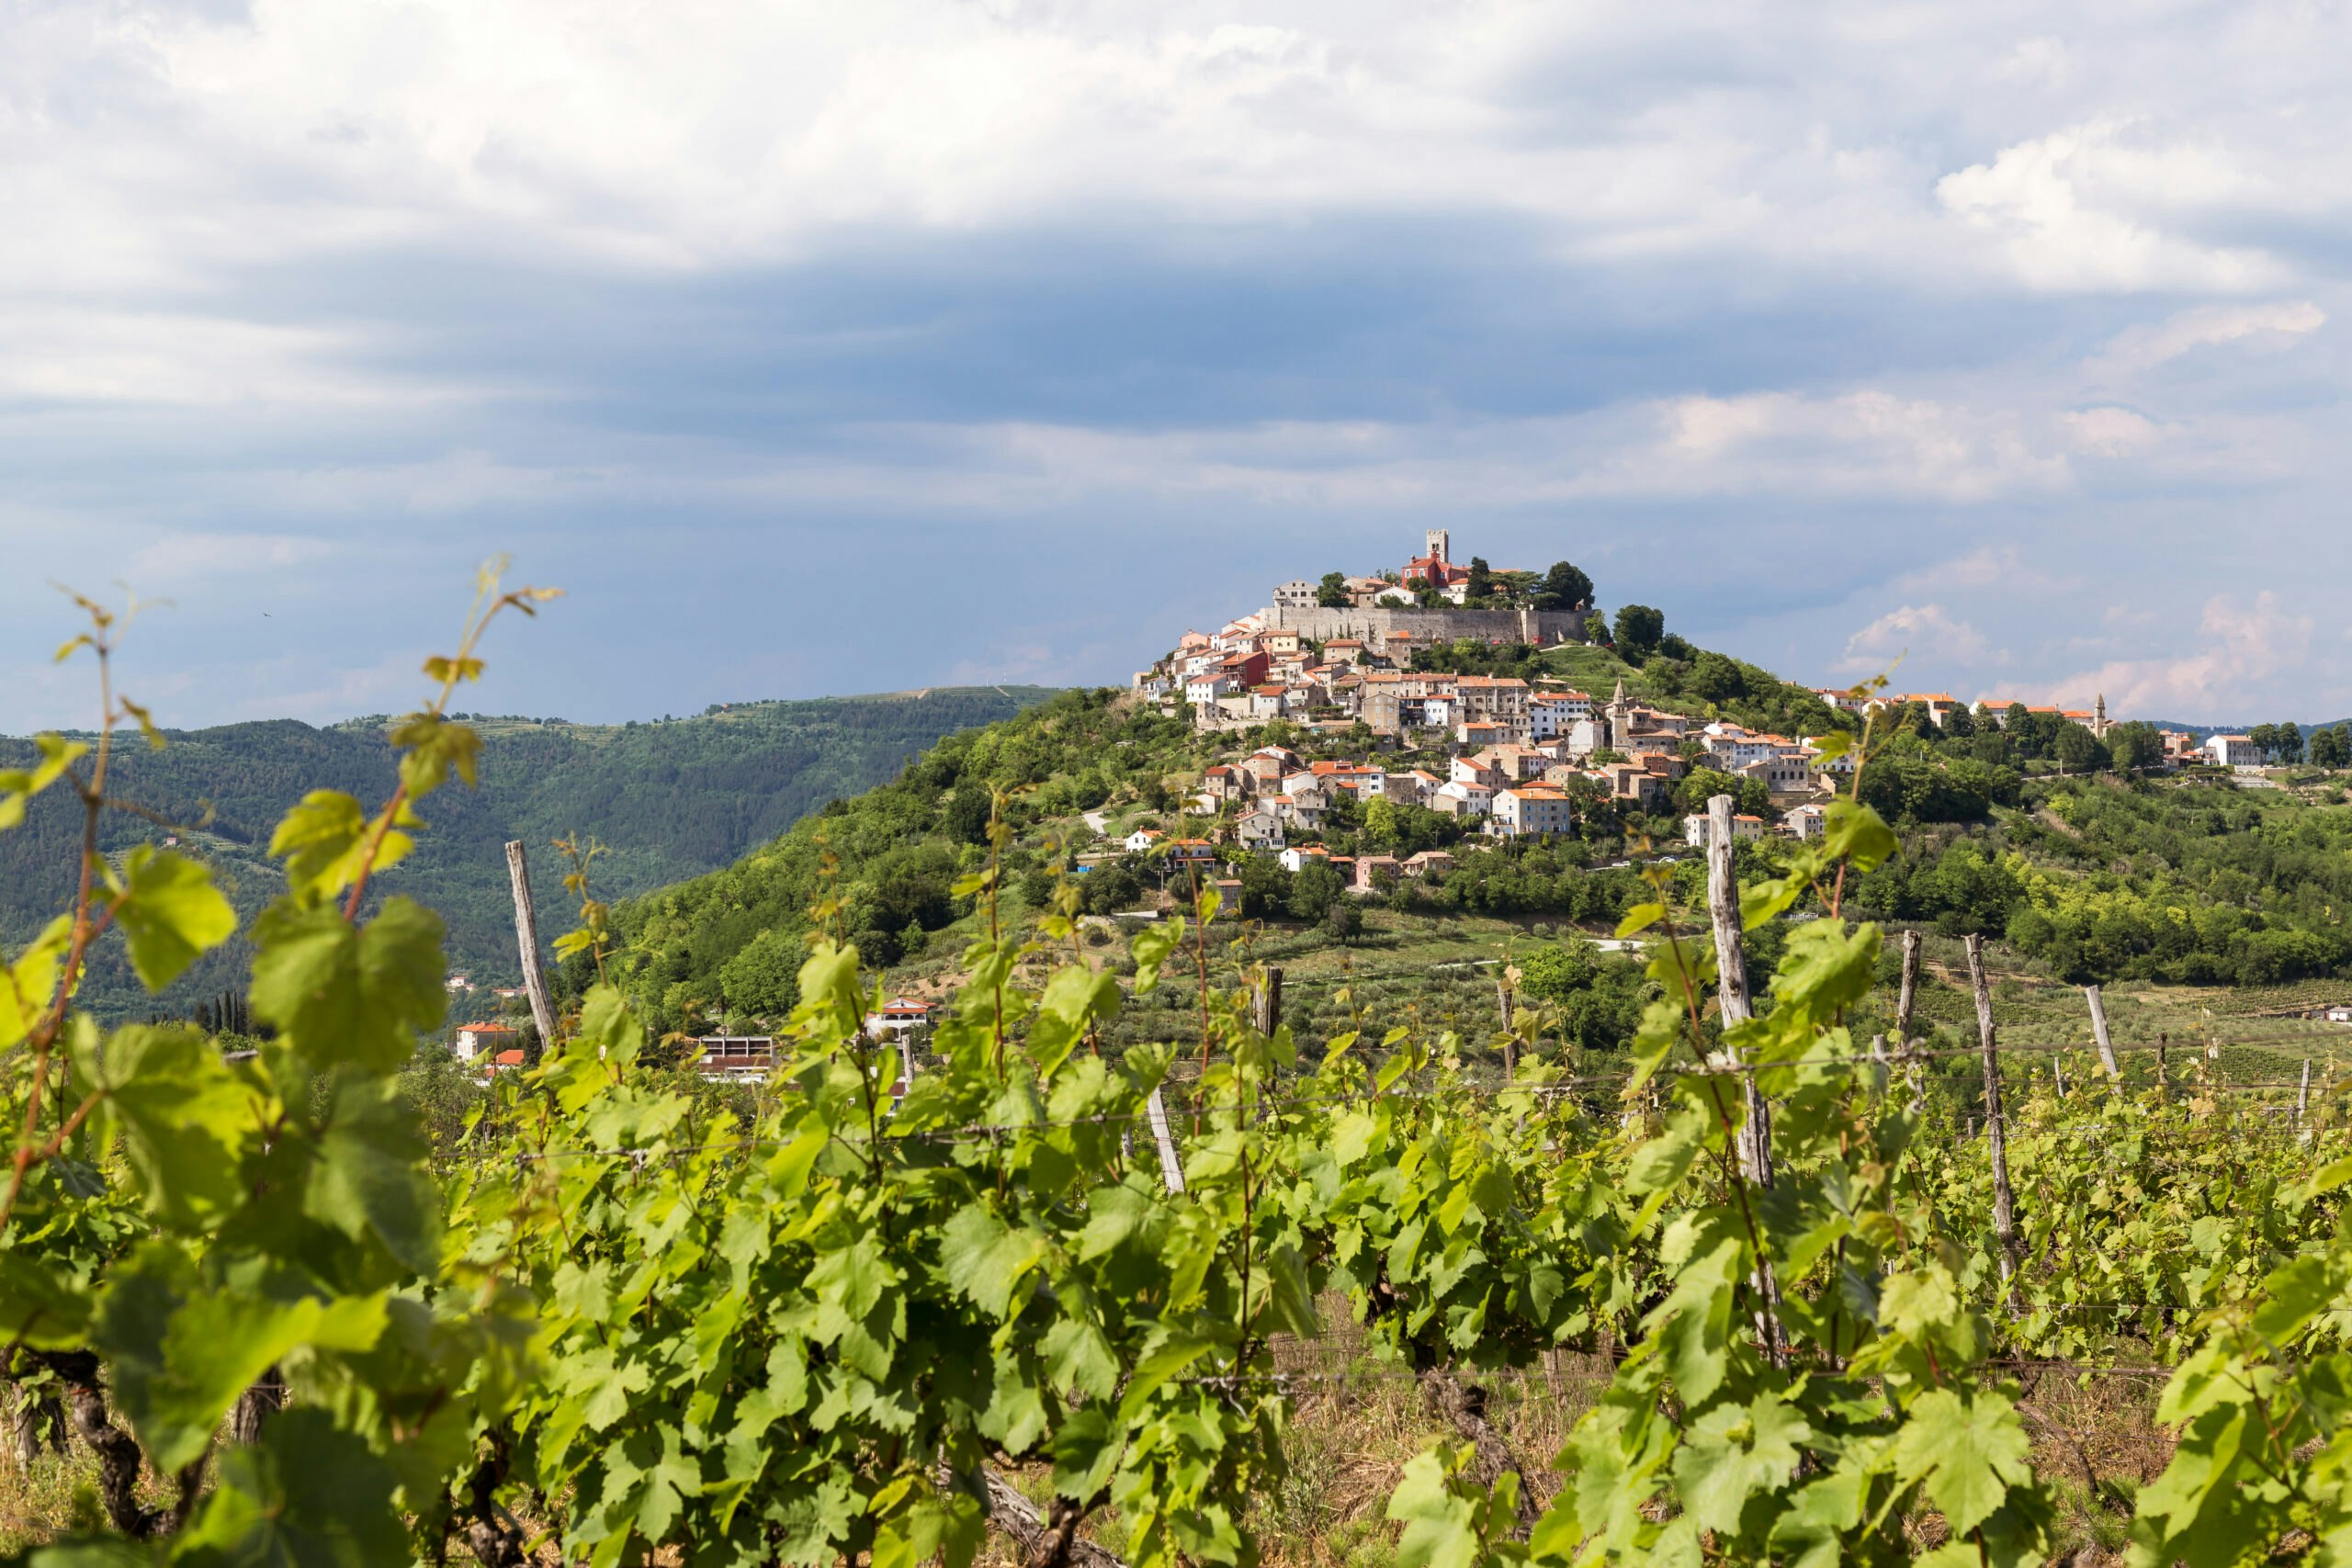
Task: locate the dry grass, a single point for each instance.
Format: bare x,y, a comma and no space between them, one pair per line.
1357,1422
56,1494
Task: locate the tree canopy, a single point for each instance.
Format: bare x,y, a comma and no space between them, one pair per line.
1563,587
1638,629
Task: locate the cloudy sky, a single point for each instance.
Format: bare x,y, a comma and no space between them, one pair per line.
822,348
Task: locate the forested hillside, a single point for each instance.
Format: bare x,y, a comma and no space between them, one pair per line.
671,798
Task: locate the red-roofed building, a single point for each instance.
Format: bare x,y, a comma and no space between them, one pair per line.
735,1055
474,1040
1431,567
1531,810
899,1015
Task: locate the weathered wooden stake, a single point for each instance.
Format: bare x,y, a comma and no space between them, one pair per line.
1266,1008
526,938
2004,1226
1910,991
1903,1005
2163,1080
1172,1170
253,1408
2303,1095
1503,1004
2098,1033
1731,965
2057,1078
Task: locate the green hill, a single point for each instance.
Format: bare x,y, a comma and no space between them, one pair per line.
2083,872
673,798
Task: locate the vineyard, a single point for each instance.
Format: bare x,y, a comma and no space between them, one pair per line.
1796,1280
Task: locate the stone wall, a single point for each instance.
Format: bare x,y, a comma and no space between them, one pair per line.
1542,627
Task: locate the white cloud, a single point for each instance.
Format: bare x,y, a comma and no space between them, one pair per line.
181,557
2001,566
2241,649
2065,209
1926,631
1861,443
2111,432
299,688
2039,62
66,353
2272,327
732,130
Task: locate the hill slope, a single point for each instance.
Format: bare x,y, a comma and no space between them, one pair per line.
673,799
2083,877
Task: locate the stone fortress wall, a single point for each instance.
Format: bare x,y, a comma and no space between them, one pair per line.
1544,628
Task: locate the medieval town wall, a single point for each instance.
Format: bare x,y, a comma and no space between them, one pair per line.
1540,626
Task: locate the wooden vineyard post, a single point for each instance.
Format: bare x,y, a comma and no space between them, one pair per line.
1503,1006
2005,1227
1267,1006
2057,1078
1903,1006
1910,992
1266,1016
1172,1170
1731,965
526,938
2303,1095
2106,1044
2164,1083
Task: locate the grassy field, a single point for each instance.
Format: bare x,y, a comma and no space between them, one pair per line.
1594,670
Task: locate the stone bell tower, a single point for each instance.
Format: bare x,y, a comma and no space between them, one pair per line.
1436,540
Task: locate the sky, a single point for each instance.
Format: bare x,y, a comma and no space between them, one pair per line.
823,348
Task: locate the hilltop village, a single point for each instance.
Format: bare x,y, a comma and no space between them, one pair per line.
1512,756
1383,660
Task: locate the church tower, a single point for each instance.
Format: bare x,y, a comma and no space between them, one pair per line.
1435,541
2099,717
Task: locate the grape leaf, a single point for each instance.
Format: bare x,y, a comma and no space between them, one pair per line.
1969,1449
170,914
350,996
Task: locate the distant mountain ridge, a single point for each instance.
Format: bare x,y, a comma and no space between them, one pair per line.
671,798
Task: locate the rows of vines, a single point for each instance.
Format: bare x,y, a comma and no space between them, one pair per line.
617,1323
